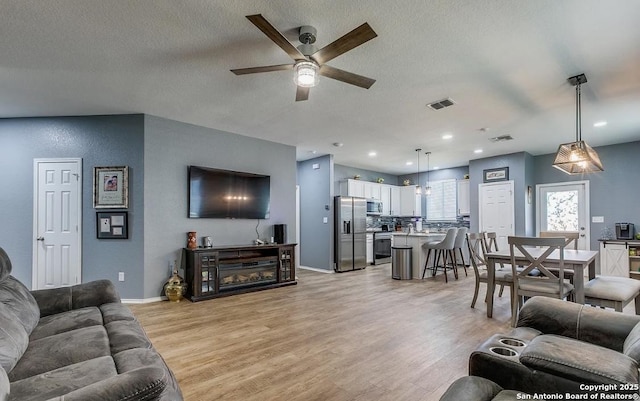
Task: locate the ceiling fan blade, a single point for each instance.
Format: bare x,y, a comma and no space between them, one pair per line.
267,68
345,76
353,39
275,35
302,93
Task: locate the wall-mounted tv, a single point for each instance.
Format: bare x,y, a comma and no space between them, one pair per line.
223,194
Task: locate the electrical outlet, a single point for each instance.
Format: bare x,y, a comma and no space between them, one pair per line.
120,276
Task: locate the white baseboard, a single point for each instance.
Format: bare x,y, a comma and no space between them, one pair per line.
143,301
316,269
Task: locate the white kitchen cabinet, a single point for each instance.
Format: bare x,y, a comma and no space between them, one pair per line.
410,201
614,259
372,190
352,188
394,203
464,198
385,198
370,249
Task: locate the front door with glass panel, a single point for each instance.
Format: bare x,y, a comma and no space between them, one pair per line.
564,207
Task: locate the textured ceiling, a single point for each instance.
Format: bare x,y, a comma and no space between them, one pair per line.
504,63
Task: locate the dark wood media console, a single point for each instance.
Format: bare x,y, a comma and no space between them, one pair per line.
221,271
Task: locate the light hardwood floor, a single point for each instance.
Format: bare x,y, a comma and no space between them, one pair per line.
356,336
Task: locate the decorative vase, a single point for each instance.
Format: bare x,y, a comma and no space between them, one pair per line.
175,287
380,180
192,240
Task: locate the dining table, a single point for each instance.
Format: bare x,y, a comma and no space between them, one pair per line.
576,260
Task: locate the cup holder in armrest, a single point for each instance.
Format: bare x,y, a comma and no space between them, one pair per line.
503,351
512,342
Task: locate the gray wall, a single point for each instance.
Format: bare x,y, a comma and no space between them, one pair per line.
316,203
614,193
342,173
99,141
170,147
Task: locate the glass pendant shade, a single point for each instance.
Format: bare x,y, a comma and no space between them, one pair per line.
418,186
306,74
577,157
427,190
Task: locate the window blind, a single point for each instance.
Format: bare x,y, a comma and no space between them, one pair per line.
442,203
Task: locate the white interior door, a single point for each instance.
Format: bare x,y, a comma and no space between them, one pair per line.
564,206
496,211
57,221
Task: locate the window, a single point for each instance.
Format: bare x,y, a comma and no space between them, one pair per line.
442,203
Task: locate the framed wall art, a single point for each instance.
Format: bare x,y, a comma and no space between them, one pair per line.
495,174
112,225
111,187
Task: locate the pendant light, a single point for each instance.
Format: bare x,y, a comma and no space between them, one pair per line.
577,157
427,190
418,186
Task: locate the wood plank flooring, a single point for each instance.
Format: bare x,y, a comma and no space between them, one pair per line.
356,336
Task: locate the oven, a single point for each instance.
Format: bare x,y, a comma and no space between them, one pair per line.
381,247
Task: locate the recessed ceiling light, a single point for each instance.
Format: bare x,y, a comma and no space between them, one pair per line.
447,136
409,163
372,154
477,151
436,168
600,124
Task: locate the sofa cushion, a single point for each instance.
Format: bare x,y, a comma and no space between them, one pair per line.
13,338
61,381
18,298
578,361
4,385
5,265
115,311
60,350
126,334
66,321
631,346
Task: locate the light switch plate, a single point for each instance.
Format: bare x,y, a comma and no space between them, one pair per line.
597,219
325,220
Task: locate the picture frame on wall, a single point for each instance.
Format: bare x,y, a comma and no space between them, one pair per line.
495,174
112,225
111,187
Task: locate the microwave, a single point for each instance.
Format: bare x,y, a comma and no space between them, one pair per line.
374,207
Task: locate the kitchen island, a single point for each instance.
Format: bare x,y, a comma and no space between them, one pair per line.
415,240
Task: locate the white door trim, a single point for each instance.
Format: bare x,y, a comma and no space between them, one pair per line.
511,184
34,254
587,206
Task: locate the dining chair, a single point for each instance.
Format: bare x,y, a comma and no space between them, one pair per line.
490,239
461,237
442,248
536,251
612,292
569,236
477,250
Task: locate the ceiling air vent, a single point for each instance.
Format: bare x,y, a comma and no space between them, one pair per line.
441,104
501,138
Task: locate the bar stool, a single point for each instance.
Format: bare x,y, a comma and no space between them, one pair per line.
444,248
458,244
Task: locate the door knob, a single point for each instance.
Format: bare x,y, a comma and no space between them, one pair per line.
40,239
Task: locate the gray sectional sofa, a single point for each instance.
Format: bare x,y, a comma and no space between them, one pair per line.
75,343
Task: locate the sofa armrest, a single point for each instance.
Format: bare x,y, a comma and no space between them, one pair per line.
57,300
596,326
471,388
578,361
149,383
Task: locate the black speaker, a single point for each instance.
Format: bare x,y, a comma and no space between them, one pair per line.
280,233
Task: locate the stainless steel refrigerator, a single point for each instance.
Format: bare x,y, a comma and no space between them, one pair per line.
350,237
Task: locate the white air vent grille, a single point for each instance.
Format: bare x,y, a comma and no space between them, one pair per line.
501,138
441,104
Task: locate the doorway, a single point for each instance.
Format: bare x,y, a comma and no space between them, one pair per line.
496,211
564,206
57,222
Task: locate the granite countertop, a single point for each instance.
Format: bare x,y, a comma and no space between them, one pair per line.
400,233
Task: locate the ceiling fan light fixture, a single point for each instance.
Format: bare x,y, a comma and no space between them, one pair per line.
306,74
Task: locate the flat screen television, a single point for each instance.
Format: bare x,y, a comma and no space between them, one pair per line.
224,194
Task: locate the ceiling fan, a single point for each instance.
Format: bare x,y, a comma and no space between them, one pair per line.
309,62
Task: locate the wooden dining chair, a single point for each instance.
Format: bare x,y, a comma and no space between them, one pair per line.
490,239
536,252
569,236
477,250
